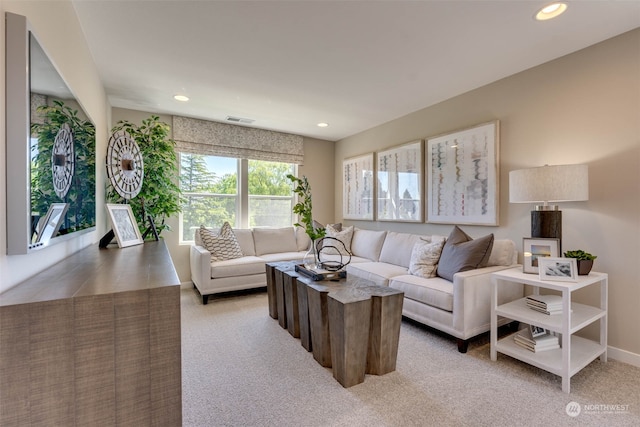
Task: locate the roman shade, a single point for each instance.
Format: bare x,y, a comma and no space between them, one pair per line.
221,139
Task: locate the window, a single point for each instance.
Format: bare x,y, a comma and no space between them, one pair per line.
212,193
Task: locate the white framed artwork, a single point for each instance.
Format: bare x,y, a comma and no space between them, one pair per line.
124,225
399,183
463,179
358,188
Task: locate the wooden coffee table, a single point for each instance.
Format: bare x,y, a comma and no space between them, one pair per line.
352,325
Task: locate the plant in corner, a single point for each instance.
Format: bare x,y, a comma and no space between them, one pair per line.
583,259
304,209
160,195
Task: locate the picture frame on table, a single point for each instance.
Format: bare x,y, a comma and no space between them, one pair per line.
463,176
49,226
358,201
124,225
399,183
535,248
558,269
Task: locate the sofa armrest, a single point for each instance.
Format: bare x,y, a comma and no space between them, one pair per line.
472,299
200,261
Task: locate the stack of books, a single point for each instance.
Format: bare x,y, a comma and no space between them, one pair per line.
541,342
547,304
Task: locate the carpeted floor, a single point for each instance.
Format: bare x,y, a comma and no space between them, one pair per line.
241,369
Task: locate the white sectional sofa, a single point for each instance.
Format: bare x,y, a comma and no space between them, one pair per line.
459,307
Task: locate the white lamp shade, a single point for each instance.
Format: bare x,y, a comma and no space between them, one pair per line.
556,183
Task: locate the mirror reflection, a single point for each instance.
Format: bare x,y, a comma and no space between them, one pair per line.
62,154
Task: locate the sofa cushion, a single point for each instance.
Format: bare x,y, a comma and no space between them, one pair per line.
377,272
244,266
503,253
283,256
367,243
274,240
332,247
222,245
425,257
397,247
462,253
302,239
436,292
245,240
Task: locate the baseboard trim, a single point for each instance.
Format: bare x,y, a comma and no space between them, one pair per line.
623,356
186,285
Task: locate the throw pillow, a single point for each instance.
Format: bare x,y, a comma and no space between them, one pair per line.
334,248
222,245
424,258
462,253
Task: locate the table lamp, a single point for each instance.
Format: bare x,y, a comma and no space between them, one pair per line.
555,183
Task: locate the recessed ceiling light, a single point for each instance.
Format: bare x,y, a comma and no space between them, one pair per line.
551,11
182,98
323,125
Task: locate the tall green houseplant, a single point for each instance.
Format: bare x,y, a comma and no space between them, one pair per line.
160,195
82,209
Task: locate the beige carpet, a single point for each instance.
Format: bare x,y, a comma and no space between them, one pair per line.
241,369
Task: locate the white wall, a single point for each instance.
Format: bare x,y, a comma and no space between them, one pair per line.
58,31
582,108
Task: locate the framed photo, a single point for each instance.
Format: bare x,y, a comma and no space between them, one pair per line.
358,185
463,176
49,226
536,248
399,183
124,225
536,331
558,269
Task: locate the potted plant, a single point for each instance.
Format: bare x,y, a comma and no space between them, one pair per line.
303,208
583,259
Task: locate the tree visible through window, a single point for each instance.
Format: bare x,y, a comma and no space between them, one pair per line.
210,190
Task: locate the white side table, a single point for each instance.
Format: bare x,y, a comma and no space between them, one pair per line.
576,352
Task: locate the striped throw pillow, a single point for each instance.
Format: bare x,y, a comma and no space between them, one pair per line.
223,245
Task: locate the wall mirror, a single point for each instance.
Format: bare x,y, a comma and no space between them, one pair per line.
50,149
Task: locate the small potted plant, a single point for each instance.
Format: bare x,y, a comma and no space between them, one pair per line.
583,259
304,209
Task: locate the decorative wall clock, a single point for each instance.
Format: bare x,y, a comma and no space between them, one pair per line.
63,161
125,167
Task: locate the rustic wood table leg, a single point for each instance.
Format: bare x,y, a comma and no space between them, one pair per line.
289,280
271,290
280,298
384,332
319,323
303,311
349,319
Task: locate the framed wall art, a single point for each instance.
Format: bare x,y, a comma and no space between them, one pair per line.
124,225
536,248
558,269
358,186
399,182
463,176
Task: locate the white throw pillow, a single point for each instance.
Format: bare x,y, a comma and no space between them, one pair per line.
331,247
223,245
424,258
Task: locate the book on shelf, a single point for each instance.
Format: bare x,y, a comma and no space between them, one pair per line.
541,342
547,304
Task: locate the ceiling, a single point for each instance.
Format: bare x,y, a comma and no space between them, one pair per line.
289,65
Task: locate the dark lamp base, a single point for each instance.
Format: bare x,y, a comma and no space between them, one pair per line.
547,224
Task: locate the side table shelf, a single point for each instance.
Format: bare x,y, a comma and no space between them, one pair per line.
575,352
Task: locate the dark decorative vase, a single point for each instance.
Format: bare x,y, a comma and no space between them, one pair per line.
584,266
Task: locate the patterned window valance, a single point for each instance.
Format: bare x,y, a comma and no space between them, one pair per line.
220,139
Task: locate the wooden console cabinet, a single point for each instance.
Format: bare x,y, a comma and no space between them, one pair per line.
94,340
